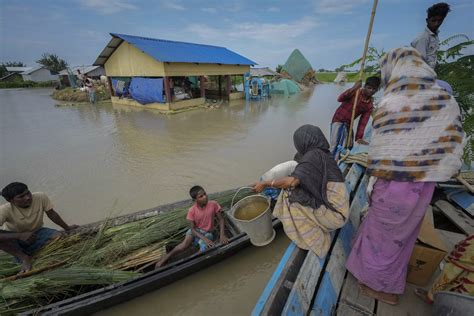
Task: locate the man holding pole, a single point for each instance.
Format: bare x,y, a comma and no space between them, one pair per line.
342,117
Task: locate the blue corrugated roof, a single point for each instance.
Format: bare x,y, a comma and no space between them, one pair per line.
171,51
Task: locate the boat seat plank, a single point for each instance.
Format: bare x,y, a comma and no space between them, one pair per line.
458,217
462,198
450,238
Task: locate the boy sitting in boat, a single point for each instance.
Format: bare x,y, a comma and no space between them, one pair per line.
342,117
23,233
201,220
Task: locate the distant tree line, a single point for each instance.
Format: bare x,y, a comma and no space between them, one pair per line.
51,61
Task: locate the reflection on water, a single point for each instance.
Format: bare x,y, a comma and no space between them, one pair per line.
99,161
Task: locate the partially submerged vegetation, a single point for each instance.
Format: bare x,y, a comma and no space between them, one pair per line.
76,95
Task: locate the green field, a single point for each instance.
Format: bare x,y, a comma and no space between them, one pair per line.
330,76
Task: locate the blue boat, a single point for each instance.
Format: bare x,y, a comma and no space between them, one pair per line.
304,284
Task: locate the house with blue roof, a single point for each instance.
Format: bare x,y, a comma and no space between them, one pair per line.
169,75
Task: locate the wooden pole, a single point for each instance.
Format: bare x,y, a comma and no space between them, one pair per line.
361,71
111,88
167,89
219,77
228,85
203,87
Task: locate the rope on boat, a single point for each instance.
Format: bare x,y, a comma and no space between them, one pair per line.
360,158
361,71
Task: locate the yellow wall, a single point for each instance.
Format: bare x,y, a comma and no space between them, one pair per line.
129,61
188,69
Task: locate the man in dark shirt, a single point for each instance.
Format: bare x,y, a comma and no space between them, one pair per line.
342,118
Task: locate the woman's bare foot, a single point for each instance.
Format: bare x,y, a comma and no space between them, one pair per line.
388,298
423,295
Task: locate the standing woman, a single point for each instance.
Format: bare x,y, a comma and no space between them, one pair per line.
417,141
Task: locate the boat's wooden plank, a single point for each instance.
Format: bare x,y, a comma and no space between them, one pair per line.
326,296
352,301
450,238
359,202
458,217
301,295
271,302
353,177
462,198
409,304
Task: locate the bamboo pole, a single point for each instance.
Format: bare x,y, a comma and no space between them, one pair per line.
361,71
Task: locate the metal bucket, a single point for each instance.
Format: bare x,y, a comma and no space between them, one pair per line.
452,304
252,214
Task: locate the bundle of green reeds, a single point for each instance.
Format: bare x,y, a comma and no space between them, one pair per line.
62,282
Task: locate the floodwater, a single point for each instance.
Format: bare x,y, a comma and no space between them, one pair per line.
100,161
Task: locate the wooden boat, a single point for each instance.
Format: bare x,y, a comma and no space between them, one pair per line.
114,294
304,284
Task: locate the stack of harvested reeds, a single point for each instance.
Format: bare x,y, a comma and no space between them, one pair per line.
83,262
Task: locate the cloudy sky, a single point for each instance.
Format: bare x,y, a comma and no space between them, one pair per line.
328,32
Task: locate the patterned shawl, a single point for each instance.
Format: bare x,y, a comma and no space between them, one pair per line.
417,133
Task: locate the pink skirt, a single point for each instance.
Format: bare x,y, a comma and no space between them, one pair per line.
385,239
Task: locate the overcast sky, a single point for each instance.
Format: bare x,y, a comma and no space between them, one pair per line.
328,32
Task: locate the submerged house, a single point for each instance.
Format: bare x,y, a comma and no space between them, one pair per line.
93,72
36,74
170,75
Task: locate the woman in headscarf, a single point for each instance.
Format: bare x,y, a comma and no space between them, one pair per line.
417,140
315,200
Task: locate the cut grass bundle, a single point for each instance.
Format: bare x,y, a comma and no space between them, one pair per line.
63,282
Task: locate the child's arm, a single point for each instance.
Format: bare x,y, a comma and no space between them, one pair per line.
349,93
364,119
223,237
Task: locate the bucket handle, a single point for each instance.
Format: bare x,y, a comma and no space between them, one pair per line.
232,203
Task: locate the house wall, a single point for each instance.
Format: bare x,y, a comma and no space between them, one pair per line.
40,75
129,61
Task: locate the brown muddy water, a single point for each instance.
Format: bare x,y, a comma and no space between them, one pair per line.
105,160
252,210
